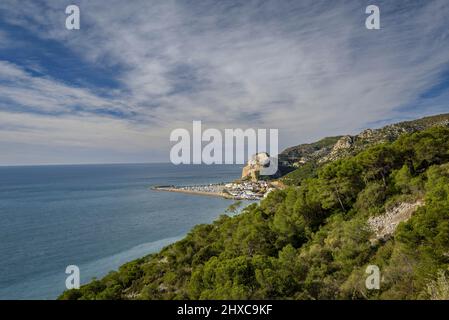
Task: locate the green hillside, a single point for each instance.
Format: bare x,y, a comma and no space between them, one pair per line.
315,240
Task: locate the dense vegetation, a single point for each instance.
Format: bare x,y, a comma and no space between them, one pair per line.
312,241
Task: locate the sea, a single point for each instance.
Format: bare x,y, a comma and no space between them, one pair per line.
95,217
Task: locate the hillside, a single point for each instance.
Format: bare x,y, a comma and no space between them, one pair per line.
307,157
385,204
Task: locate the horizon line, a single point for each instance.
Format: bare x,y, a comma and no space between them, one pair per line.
96,164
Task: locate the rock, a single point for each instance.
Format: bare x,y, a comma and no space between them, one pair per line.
385,225
344,143
250,172
341,148
255,164
366,134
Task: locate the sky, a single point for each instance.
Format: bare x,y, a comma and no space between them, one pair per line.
113,91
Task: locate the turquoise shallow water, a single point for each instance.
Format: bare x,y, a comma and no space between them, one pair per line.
94,216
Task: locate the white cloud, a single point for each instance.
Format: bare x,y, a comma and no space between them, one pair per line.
307,68
79,131
42,94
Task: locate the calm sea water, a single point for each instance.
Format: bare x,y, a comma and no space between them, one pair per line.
94,216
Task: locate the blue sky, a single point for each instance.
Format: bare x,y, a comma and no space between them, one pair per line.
115,89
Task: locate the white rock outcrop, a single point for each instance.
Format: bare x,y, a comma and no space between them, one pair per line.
255,164
385,225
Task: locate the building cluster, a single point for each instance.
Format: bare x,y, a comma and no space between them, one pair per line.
248,190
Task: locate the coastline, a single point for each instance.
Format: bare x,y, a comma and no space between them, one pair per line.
192,192
237,190
136,217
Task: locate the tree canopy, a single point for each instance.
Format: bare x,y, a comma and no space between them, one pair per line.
311,240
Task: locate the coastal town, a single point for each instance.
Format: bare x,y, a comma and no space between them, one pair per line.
248,187
248,190
237,190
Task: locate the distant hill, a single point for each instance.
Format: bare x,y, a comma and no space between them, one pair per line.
305,157
333,148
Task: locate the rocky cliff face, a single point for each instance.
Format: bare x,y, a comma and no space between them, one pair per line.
252,169
385,225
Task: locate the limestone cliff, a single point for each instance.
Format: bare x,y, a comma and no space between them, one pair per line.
252,170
